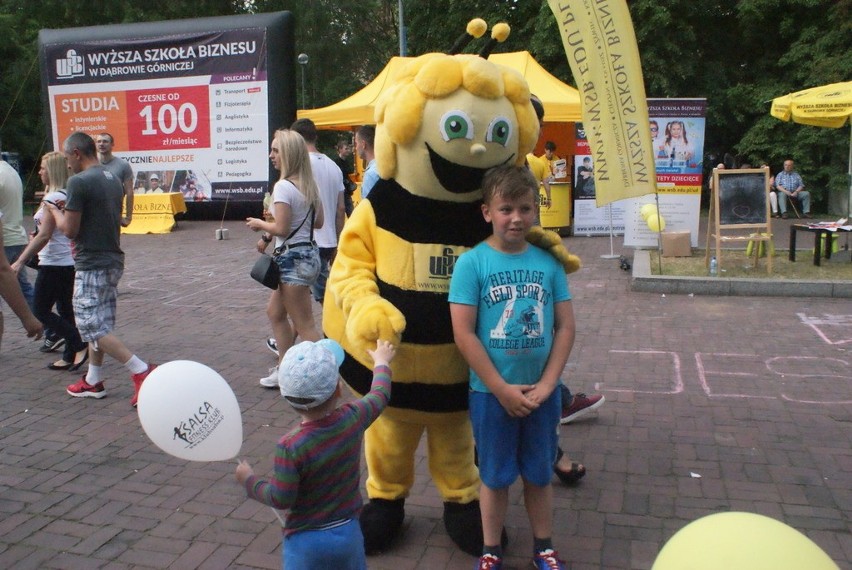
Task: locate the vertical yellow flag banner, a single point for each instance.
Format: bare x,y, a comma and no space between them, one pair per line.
600,45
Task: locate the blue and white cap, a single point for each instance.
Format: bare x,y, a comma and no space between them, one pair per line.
308,374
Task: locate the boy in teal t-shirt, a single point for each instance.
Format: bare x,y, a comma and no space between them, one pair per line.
514,324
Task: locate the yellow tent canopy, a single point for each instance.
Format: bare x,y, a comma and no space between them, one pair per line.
561,101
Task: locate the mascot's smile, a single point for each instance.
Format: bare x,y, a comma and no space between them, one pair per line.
457,178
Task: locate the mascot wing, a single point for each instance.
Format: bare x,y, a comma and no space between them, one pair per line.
549,240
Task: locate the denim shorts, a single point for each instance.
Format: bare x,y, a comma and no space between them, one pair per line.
508,446
299,265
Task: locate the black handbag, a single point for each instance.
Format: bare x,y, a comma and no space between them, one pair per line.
265,271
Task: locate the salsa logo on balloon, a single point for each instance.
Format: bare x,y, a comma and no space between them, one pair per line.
200,425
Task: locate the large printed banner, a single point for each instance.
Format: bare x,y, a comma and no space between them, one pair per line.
677,129
589,219
189,111
601,48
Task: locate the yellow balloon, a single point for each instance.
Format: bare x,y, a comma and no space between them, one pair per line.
656,223
741,541
647,210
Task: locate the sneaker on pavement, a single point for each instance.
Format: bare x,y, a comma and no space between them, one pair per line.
270,381
272,345
52,344
137,383
82,389
579,406
489,562
548,560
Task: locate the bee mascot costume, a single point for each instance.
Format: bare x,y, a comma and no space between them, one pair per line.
444,121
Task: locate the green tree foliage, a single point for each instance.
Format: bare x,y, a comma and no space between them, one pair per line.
738,54
802,44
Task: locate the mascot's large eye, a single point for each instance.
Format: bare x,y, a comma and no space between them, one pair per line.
499,131
456,125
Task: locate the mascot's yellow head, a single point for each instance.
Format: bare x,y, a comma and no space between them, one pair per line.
449,118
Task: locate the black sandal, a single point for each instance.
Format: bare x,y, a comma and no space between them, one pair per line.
79,360
571,477
60,365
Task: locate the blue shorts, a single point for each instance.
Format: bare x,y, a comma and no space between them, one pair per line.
95,294
340,547
299,265
508,447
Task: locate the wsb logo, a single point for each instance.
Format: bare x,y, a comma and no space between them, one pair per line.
441,266
70,66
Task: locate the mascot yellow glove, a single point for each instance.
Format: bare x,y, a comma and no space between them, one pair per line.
372,318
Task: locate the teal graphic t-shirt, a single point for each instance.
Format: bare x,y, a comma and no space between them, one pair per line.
515,294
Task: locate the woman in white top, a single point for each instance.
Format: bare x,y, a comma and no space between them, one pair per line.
55,282
296,212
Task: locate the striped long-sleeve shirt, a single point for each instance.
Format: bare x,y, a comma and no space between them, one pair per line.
317,464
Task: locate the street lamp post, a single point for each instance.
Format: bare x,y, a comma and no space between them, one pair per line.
402,32
303,61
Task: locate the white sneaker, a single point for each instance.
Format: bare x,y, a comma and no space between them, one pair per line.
272,345
270,381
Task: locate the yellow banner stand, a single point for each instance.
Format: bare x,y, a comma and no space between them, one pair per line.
155,213
558,217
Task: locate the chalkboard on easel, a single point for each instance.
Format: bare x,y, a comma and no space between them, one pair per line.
743,196
739,210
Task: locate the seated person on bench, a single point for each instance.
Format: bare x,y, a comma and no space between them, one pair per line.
790,184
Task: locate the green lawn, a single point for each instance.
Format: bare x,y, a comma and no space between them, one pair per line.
734,263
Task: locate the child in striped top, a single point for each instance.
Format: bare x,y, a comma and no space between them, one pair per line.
317,464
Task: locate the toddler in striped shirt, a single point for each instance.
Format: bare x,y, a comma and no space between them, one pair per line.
317,464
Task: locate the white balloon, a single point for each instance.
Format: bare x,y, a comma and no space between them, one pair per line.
188,410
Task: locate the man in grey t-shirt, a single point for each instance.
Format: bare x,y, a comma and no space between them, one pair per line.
92,218
11,293
120,168
14,234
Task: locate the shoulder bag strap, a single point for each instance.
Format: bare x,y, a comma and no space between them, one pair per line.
302,224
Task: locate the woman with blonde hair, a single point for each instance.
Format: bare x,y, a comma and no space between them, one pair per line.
54,284
296,210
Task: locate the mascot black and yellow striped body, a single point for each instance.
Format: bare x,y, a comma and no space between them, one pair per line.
413,273
394,234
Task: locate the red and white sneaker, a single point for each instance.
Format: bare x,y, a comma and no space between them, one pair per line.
548,560
489,562
579,406
137,383
82,389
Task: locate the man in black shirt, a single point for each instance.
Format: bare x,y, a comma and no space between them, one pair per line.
344,152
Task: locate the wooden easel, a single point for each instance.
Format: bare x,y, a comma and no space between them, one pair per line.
739,203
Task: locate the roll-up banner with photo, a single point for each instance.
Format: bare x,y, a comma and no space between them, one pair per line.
677,129
191,104
589,220
677,132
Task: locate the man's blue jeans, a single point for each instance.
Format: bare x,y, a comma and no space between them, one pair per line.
12,253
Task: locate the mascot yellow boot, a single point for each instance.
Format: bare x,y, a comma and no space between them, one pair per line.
443,123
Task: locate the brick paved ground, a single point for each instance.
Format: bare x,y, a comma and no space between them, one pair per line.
752,394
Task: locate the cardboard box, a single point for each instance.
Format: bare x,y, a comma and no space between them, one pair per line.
677,244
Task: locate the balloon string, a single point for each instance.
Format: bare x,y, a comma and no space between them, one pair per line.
277,515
